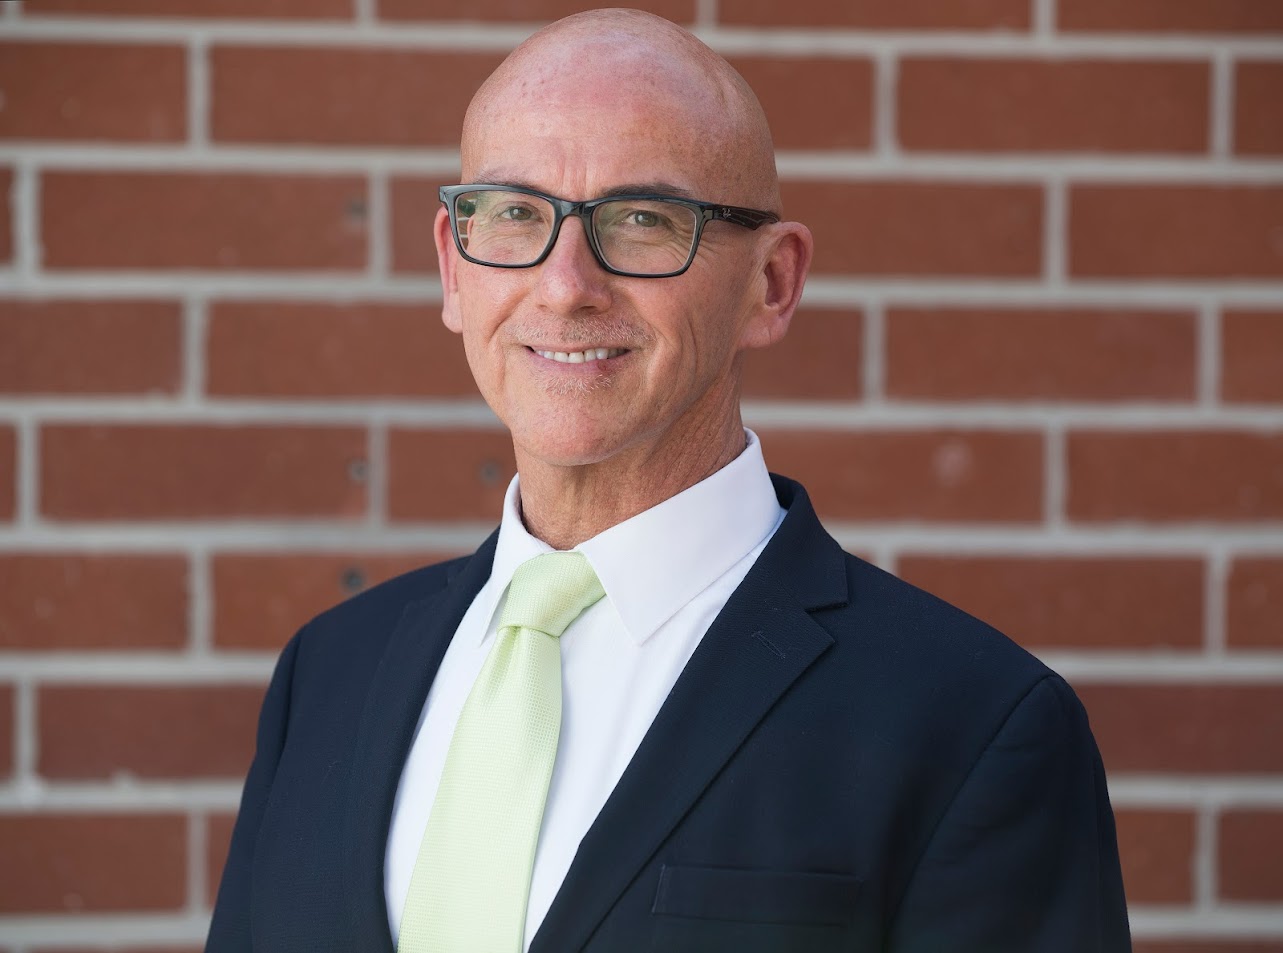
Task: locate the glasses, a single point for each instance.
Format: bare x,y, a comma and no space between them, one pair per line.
637,236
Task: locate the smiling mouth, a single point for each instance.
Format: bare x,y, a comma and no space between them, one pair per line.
582,357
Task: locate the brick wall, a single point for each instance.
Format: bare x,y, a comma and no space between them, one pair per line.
1039,370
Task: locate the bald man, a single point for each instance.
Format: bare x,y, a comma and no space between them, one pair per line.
745,740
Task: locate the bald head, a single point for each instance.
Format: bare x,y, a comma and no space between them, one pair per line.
646,74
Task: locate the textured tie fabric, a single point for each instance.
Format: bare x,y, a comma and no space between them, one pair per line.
471,881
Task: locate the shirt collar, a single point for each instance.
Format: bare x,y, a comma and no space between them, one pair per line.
659,560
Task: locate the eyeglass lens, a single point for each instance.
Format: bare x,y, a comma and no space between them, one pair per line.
646,237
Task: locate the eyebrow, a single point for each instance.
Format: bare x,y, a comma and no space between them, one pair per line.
630,188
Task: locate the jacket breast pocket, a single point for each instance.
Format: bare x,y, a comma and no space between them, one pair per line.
713,909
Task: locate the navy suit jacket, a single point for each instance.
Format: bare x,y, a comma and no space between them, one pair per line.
846,763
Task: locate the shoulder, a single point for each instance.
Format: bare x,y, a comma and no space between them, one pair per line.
361,626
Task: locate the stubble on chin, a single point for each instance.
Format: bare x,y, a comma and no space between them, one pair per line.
577,387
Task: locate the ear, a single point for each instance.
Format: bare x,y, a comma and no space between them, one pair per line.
783,273
447,261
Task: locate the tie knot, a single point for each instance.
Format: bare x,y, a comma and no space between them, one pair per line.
549,592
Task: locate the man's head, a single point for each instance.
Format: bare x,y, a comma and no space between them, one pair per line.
603,103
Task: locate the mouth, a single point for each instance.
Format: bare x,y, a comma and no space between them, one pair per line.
586,356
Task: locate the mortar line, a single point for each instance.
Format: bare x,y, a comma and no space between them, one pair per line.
195,322
198,92
464,36
25,196
366,12
26,744
1215,602
200,602
197,886
886,81
1208,366
706,14
377,474
1221,133
378,225
468,413
27,447
799,164
1055,476
1044,19
1205,857
1055,231
873,363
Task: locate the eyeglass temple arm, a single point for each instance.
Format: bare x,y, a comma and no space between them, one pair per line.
748,217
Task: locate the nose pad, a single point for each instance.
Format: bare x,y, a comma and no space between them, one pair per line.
571,278
580,244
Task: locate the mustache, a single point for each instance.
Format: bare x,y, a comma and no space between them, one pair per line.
581,333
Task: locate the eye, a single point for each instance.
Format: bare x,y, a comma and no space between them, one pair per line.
515,213
643,218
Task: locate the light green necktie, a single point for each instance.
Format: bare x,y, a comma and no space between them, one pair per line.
471,881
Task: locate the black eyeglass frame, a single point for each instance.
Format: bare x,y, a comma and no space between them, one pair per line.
749,218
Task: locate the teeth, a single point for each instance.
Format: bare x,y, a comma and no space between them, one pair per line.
581,357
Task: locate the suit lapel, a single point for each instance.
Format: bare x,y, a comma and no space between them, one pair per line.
391,713
761,642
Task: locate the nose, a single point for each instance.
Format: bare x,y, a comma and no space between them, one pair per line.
570,278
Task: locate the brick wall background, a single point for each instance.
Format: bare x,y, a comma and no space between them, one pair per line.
1039,370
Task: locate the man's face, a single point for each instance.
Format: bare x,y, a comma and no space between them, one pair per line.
672,373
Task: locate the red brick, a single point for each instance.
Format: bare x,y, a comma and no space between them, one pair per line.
146,731
240,9
66,601
920,228
196,220
1252,356
6,214
996,353
89,347
819,359
1157,851
1176,231
1255,612
448,474
329,350
218,840
1175,475
813,102
1258,108
1023,105
1172,16
679,11
260,600
89,863
950,476
1251,843
93,91
1187,728
8,472
200,471
414,205
1096,602
7,719
1219,945
343,96
879,14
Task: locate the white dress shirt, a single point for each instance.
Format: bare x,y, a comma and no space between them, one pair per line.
667,573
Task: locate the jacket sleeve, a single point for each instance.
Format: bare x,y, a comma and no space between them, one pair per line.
1025,859
230,930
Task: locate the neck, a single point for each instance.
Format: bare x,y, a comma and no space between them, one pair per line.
563,506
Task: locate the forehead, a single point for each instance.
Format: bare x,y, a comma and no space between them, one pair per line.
597,124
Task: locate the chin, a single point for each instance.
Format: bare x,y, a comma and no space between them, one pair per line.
575,446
